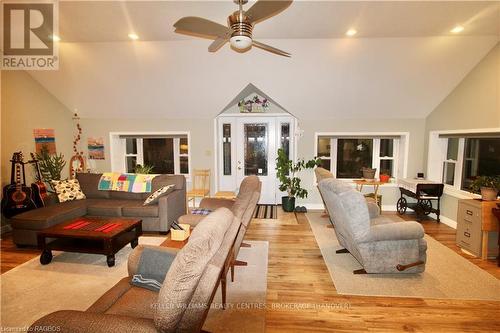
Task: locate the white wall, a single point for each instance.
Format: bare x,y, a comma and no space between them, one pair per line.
473,104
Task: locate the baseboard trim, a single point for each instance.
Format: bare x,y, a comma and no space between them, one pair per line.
314,206
445,220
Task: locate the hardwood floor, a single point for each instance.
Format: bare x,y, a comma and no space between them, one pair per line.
298,276
302,298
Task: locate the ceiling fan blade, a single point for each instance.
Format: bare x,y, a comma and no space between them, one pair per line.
271,49
217,44
264,9
198,26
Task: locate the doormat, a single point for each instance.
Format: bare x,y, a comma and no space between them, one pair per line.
266,212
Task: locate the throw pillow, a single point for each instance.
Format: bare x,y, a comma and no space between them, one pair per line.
68,190
153,198
152,268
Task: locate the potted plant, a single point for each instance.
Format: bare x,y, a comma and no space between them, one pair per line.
488,186
289,182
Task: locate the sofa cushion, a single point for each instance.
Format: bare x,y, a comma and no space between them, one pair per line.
45,217
163,191
107,207
121,195
163,180
68,190
137,209
89,183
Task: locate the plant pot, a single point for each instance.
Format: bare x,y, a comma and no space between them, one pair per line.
488,193
369,173
288,204
384,178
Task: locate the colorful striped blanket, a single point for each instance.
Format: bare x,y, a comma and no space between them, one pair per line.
126,182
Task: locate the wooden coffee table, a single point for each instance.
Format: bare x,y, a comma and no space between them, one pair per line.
90,235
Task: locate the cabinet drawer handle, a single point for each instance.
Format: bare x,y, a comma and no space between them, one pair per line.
466,234
469,212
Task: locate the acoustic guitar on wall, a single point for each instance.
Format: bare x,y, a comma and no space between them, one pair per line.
17,196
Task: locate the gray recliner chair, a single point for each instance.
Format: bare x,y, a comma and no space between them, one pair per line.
381,245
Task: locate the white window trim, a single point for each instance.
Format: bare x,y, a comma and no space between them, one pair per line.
403,137
436,156
118,150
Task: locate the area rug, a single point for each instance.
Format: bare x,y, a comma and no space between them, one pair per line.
447,274
266,212
246,296
74,281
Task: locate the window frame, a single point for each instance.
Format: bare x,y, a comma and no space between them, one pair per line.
437,156
118,154
399,158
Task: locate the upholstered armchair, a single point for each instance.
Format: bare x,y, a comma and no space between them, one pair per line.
381,247
322,173
243,207
191,280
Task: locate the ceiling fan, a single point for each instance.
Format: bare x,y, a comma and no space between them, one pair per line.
240,26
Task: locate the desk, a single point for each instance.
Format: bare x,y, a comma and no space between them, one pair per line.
376,184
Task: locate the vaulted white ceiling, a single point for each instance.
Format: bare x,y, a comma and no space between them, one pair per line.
403,63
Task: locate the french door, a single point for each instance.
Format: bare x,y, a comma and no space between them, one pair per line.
248,145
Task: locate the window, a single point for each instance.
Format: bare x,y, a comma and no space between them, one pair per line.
450,164
469,157
346,156
167,155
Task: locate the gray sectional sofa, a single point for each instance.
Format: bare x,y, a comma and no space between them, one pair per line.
156,218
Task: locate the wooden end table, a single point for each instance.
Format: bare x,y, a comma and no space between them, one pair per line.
88,238
375,183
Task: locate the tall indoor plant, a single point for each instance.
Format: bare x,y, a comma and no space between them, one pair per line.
286,171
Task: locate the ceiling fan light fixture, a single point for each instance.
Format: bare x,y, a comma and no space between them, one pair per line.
241,42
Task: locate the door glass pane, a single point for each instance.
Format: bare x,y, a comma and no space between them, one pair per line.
386,147
255,149
324,147
131,163
352,156
226,149
386,167
131,146
285,138
159,153
183,146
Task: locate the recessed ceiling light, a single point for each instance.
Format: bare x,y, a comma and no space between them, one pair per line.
457,29
133,36
351,32
55,38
